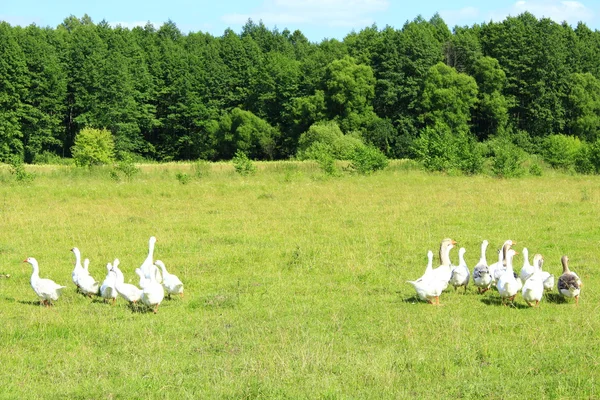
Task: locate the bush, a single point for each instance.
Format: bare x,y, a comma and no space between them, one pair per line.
507,160
127,167
441,149
49,158
183,178
17,169
327,135
367,159
93,147
201,168
560,151
535,170
242,164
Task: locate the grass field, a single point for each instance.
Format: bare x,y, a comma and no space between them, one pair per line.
295,286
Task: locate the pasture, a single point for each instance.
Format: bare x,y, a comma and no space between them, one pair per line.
295,285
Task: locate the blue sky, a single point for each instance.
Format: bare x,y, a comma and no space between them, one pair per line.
317,19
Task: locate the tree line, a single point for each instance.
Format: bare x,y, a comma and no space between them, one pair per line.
423,91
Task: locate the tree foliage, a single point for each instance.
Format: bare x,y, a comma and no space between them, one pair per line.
420,90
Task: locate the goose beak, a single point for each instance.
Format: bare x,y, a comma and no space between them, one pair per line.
25,260
454,242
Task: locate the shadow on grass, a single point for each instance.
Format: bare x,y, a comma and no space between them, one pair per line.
35,303
555,298
496,301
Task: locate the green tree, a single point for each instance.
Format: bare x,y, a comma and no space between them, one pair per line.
583,106
490,116
13,85
348,95
243,131
43,102
93,147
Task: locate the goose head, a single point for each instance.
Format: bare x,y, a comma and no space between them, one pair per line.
505,247
445,247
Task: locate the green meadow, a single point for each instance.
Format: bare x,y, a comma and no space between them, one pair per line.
295,285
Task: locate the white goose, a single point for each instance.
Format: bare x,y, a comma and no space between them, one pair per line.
152,292
129,292
172,283
499,267
547,277
108,290
46,289
533,287
569,283
527,268
460,274
481,273
78,270
148,263
430,287
507,284
429,267
88,285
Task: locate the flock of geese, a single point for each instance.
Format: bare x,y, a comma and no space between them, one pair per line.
151,291
531,281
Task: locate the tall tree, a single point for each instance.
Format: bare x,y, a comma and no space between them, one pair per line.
44,100
13,85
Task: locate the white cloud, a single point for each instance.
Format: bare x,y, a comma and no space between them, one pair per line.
346,13
558,11
464,16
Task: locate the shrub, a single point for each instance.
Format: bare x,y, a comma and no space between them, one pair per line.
507,160
183,178
535,170
17,169
441,149
584,159
327,135
560,151
93,147
201,168
367,159
242,164
127,167
50,158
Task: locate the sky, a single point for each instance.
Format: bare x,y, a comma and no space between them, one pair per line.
316,19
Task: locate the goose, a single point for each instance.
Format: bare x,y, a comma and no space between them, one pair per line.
499,267
108,290
153,292
129,292
527,268
569,283
87,283
533,287
507,283
429,267
146,266
172,283
460,274
430,287
78,270
46,289
481,273
547,277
